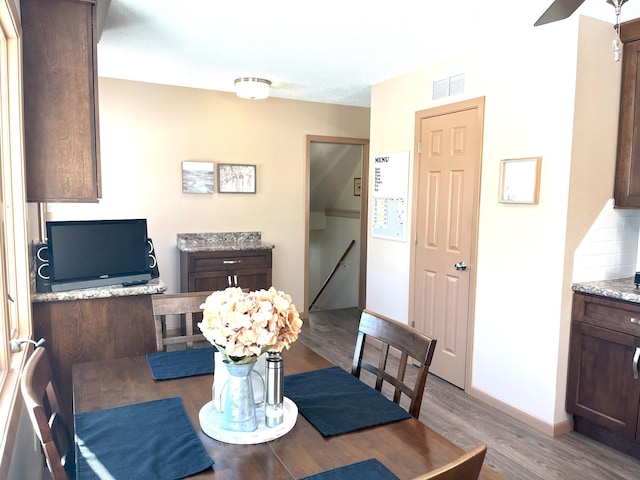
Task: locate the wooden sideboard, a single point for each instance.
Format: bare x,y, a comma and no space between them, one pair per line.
85,330
206,271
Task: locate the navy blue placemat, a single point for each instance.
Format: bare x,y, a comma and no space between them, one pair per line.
151,440
181,363
336,402
367,470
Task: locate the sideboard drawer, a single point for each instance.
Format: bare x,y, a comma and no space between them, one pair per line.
201,263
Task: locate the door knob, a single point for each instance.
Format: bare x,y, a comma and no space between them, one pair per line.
460,266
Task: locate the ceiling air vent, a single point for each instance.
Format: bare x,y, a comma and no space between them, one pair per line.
447,87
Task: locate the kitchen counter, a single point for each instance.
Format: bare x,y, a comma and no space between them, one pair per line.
619,289
155,285
221,242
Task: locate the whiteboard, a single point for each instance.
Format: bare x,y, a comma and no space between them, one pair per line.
390,192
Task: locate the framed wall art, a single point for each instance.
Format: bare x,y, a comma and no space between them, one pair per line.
197,177
234,178
520,180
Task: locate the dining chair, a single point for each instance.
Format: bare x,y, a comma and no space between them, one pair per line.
411,344
466,467
187,306
43,404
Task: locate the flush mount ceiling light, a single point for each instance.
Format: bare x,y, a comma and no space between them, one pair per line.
252,88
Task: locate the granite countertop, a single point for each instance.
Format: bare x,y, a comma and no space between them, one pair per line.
619,289
155,285
221,242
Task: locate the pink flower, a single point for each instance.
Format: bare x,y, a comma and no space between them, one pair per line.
244,325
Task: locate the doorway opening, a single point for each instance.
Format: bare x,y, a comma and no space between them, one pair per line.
336,173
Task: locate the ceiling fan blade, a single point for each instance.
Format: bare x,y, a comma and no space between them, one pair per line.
558,10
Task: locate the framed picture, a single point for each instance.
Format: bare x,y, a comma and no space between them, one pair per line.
197,177
357,186
234,178
520,180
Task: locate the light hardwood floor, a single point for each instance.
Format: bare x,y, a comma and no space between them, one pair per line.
516,450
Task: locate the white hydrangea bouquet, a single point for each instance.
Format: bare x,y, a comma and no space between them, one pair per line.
244,325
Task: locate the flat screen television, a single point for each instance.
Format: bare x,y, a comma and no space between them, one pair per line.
95,253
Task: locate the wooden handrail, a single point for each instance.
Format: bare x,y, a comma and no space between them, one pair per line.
326,282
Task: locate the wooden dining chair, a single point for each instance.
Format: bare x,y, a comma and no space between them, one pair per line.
43,404
466,467
185,305
410,343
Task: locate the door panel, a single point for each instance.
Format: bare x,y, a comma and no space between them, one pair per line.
448,171
602,388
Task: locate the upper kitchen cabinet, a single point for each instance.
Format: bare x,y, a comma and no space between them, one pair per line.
626,190
61,100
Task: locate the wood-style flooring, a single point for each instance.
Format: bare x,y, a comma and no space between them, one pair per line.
514,449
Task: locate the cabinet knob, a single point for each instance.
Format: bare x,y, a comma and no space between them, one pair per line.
231,262
636,357
635,320
229,281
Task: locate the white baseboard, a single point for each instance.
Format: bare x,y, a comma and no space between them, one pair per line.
550,429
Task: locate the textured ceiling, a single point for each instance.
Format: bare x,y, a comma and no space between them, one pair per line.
330,51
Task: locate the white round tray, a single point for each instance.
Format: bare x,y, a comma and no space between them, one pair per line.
210,420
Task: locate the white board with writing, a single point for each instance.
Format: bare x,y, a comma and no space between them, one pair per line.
390,192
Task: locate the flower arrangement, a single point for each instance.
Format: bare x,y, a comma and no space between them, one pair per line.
244,325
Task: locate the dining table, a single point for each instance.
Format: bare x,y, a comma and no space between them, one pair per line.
407,447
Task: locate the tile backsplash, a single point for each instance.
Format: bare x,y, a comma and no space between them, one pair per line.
610,249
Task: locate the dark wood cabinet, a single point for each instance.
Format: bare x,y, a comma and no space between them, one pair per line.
626,190
79,331
206,271
603,387
61,132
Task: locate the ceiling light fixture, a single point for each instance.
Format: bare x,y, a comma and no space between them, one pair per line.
617,44
252,88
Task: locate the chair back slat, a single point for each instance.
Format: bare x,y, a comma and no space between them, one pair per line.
184,305
465,467
413,346
42,402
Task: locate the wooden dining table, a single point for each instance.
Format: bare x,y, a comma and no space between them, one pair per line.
407,447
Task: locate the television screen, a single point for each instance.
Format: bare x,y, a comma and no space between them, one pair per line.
93,253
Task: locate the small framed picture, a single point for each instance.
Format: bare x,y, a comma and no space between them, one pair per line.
197,177
520,180
234,178
357,186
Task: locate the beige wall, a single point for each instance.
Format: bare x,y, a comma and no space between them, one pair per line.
595,139
147,130
525,252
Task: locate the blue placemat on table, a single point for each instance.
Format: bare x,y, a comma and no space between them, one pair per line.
366,470
181,363
336,402
151,440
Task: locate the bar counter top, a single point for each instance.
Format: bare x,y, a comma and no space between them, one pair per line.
618,289
221,242
155,285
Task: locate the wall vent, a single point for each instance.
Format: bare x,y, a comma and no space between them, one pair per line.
447,87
